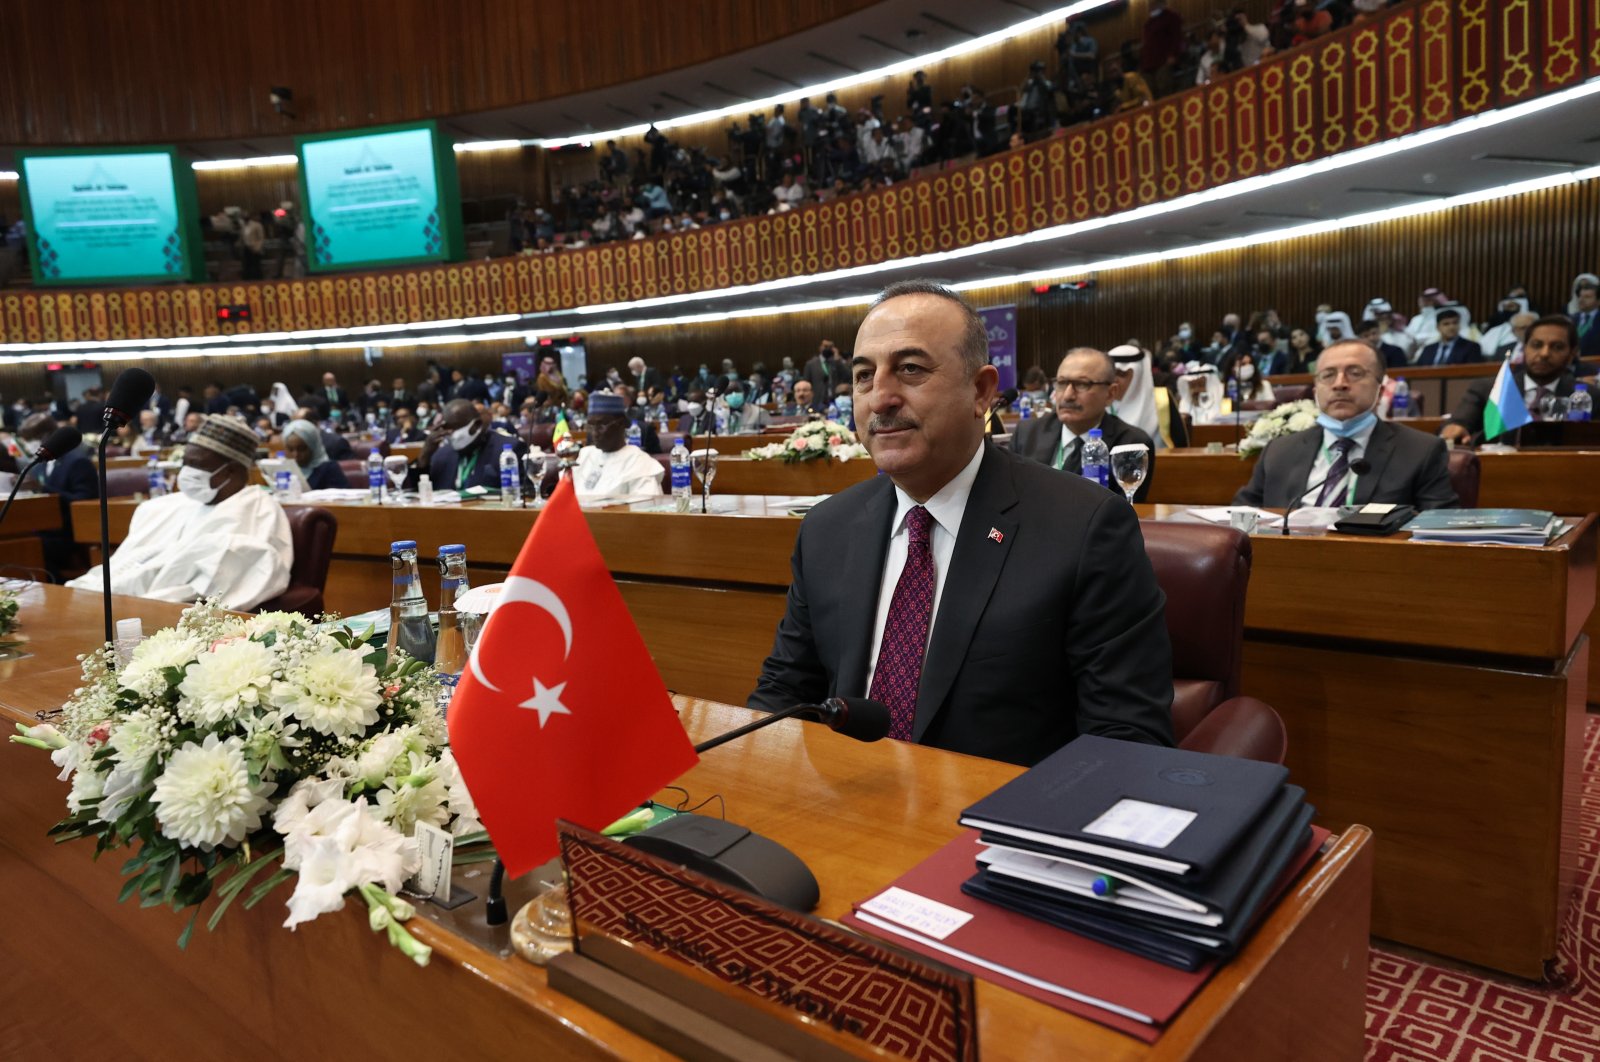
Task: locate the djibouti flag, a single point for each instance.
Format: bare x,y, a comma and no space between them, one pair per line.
1506,411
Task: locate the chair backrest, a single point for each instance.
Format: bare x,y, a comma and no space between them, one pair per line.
312,529
542,436
1204,572
1282,393
121,482
1242,727
1464,475
355,472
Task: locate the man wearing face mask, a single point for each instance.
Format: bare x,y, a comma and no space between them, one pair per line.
608,465
701,419
1313,466
216,536
462,451
744,415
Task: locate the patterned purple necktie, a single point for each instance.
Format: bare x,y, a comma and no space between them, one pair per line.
1336,471
905,633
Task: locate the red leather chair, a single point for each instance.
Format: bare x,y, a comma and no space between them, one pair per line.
1282,393
121,482
312,528
1243,727
1464,475
1204,571
355,472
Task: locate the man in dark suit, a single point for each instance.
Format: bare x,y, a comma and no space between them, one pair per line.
462,451
333,394
215,401
826,370
70,478
1548,353
644,377
1313,466
1450,349
399,396
1586,319
1081,393
1371,333
943,586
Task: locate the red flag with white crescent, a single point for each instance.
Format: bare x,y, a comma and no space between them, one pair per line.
560,712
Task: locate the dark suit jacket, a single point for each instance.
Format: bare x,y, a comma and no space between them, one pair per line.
328,474
74,477
822,389
1051,623
1393,356
1469,410
650,378
340,399
485,473
1589,342
1408,468
337,446
1037,437
1462,352
472,389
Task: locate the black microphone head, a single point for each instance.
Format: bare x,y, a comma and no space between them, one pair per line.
1006,397
61,442
1360,466
858,717
129,395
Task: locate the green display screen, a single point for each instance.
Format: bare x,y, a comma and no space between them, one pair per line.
380,197
97,216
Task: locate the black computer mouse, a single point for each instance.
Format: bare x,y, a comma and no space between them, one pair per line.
732,854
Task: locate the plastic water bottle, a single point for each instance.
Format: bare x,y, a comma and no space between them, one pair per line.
450,654
635,434
409,629
722,420
375,476
663,428
510,479
1096,459
1581,405
1400,400
155,478
282,479
1025,406
1233,392
682,488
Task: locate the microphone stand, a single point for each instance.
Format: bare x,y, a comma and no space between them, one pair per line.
15,487
105,539
1238,404
767,720
705,478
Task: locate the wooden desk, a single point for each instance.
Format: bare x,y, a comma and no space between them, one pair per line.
33,513
857,814
1202,435
742,475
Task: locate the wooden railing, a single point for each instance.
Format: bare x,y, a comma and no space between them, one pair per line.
1422,64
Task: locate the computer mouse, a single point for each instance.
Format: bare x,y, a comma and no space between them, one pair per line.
734,855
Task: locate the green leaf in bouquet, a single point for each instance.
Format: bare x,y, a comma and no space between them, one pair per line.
261,891
188,930
129,887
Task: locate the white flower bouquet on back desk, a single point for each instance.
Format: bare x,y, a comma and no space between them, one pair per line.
816,441
239,753
1282,420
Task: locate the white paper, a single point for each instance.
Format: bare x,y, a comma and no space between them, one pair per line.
927,917
1377,508
1222,514
1141,822
437,848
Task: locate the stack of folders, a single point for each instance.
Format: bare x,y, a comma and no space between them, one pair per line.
1505,527
1167,854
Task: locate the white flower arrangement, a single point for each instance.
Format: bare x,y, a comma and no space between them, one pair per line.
227,745
816,441
1282,420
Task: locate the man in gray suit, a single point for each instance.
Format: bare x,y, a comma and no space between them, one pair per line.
995,606
1312,467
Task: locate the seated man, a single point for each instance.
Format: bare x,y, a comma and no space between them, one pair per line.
1082,391
1451,348
1548,353
608,465
472,456
940,587
216,537
1313,466
71,478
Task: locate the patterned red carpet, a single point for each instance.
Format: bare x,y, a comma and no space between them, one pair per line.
1419,1012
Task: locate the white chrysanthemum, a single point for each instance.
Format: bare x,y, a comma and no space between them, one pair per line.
332,693
224,681
166,648
87,787
403,804
204,797
1301,421
282,622
136,739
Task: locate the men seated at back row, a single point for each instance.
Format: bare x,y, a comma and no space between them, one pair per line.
1080,396
1549,350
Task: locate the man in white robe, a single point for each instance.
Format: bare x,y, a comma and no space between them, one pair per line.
609,466
217,536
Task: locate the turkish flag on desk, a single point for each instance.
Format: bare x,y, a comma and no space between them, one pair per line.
561,712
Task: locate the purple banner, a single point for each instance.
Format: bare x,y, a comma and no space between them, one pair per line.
519,365
1001,323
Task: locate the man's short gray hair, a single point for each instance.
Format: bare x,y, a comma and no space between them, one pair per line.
974,344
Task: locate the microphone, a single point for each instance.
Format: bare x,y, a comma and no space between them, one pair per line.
1359,467
1004,399
705,480
857,717
61,442
130,394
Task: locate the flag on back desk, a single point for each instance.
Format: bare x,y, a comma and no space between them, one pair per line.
1506,410
561,712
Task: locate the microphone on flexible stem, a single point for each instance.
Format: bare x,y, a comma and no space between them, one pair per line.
857,717
61,442
1359,467
1238,402
1004,399
129,394
705,480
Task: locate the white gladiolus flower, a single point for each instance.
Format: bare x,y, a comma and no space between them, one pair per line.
86,787
163,649
307,793
403,806
119,790
338,845
204,797
327,872
460,801
70,757
333,693
225,681
378,760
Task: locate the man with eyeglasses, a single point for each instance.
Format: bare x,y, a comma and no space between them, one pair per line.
1549,351
1079,396
1312,467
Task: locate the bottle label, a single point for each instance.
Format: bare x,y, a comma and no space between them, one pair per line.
680,477
508,478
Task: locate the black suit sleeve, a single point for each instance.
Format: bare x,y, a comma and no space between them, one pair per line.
1469,410
1117,646
82,482
793,673
1433,489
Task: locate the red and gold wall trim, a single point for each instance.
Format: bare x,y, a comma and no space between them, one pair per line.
1422,64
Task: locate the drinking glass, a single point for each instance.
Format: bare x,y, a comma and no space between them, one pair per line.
1129,465
704,464
539,465
396,468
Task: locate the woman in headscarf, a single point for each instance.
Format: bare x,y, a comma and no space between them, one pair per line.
302,442
283,405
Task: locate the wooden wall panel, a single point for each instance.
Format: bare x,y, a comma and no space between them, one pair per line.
1474,253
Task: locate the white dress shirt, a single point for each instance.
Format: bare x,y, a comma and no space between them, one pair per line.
947,508
1324,461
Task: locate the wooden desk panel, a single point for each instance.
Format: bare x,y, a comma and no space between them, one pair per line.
741,475
858,814
34,513
1201,435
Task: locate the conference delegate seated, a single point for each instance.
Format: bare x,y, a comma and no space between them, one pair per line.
462,451
216,537
1312,467
996,607
302,443
1548,352
1082,391
71,477
608,465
